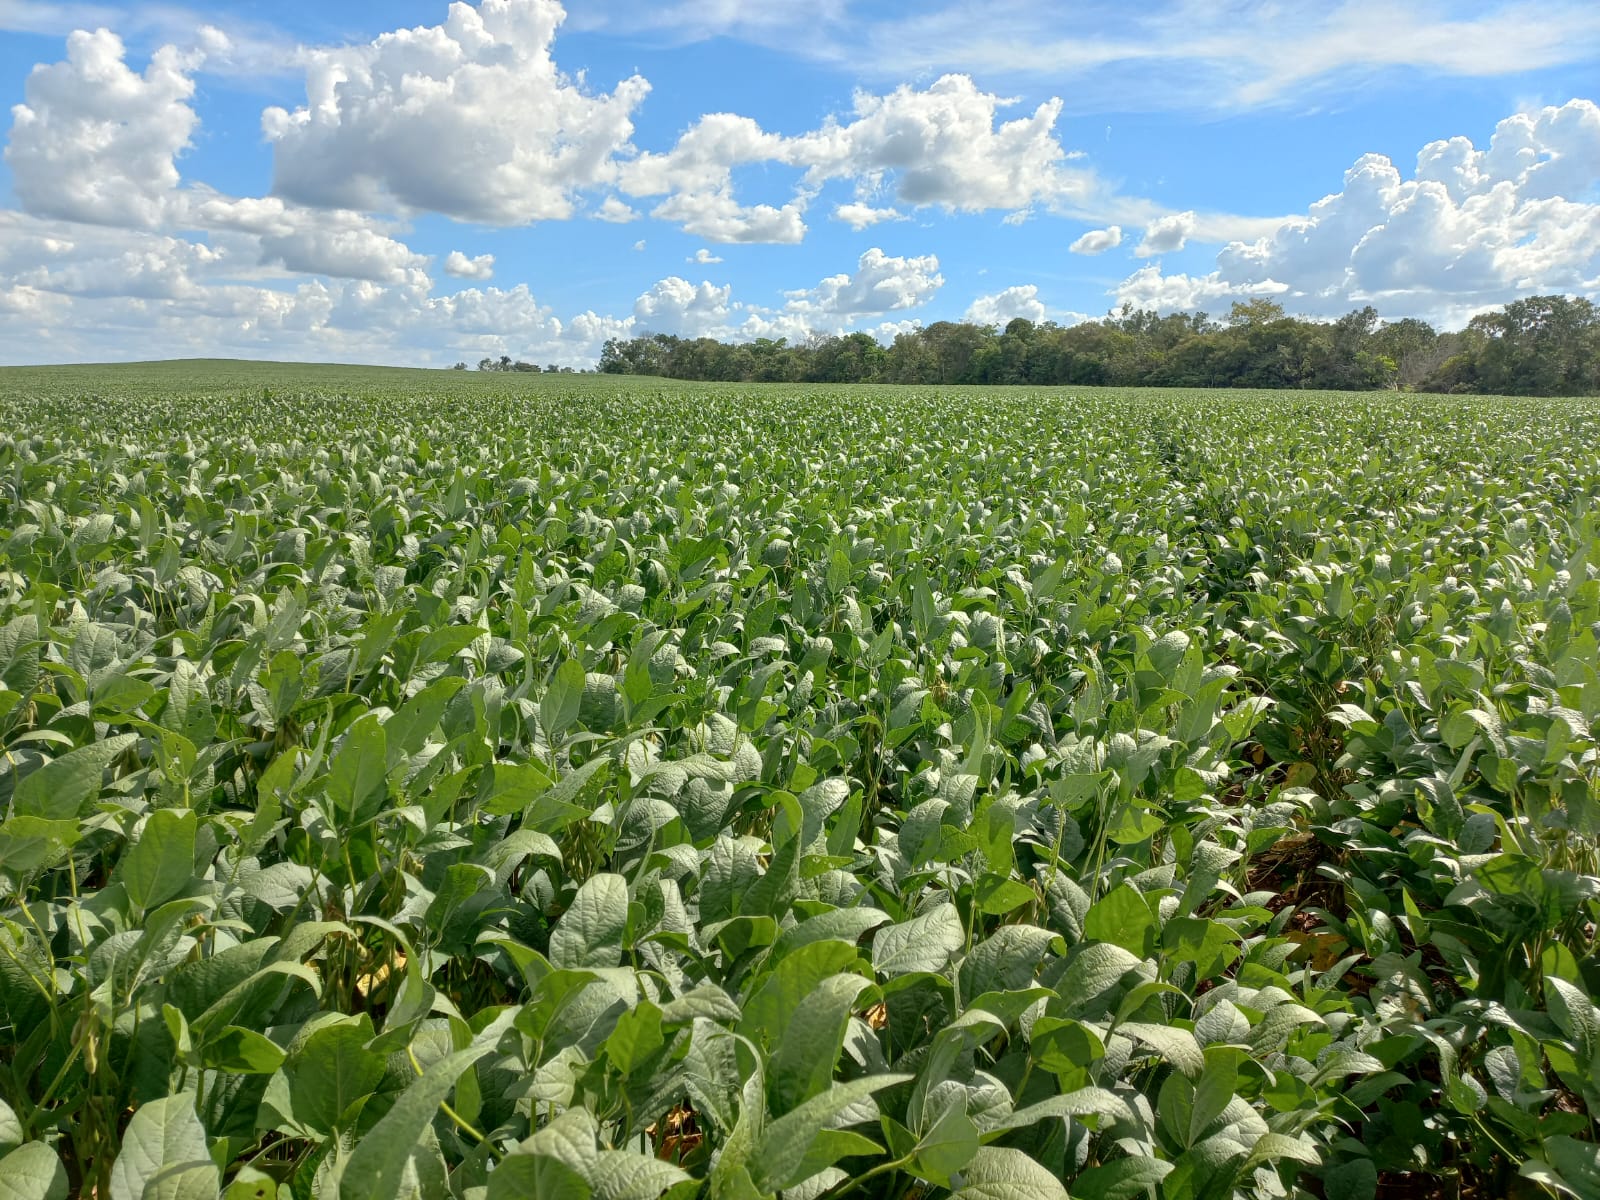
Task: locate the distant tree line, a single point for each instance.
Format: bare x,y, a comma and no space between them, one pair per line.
1540,346
505,363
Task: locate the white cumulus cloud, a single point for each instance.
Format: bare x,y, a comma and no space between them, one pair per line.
95,140
615,211
354,252
859,216
674,305
881,283
1166,235
1470,229
703,257
1098,241
944,145
470,118
462,267
696,177
1005,306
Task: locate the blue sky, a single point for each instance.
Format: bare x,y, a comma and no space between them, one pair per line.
419,183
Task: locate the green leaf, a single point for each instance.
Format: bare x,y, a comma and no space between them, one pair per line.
1094,976
998,895
770,895
555,1161
27,843
1215,1089
1124,1179
1574,1012
358,773
1270,1147
559,707
590,933
1177,1046
161,863
924,943
1122,917
1007,960
809,1047
636,1037
164,1154
10,1129
947,1146
1167,652
242,1052
406,732
707,1001
446,642
33,1172
1210,945
772,1005
1353,1180
188,708
621,1175
251,1184
1576,1163
1066,1048
841,924
997,1173
58,790
375,1167
1084,1102
783,1145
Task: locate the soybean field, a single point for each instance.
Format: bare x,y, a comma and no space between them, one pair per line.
425,784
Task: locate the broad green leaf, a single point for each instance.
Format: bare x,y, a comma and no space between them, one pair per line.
562,700
1122,1179
770,895
1574,1012
331,1075
242,1052
164,1154
590,932
1177,1046
161,863
58,790
809,1047
996,1173
358,772
10,1129
1210,945
556,1160
842,924
924,943
1122,917
251,1184
406,732
783,1145
947,1147
622,1175
1066,1048
1270,1147
1006,961
997,895
1093,977
772,1005
1215,1089
376,1165
1084,1102
636,1037
446,642
33,1172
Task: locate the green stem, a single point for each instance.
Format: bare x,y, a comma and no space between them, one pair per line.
461,1122
851,1185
